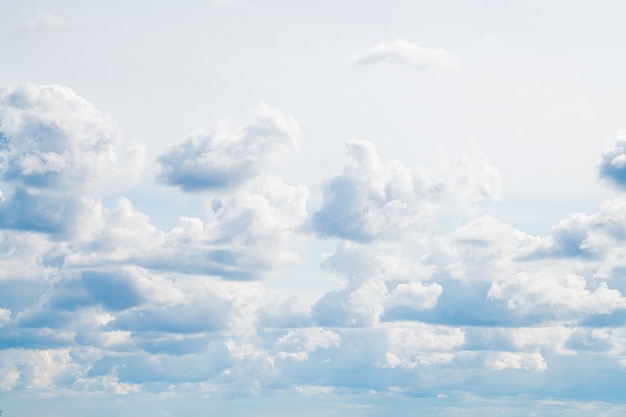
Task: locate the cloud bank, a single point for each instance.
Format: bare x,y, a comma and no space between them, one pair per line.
95,298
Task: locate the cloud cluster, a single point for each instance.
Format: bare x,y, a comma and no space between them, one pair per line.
403,52
93,297
58,155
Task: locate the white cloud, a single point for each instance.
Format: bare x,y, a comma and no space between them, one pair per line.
54,139
373,198
58,154
484,249
229,156
250,232
378,282
297,344
403,52
514,360
247,235
529,292
411,344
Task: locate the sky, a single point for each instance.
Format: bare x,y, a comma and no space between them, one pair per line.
347,208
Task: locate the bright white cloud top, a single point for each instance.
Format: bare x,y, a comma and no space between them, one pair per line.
363,242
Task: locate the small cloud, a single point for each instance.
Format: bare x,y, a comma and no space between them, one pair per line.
45,21
403,52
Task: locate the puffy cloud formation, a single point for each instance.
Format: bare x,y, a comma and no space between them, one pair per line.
54,139
93,297
379,282
58,154
245,235
613,166
374,198
229,156
403,52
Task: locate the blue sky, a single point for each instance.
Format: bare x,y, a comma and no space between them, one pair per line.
340,208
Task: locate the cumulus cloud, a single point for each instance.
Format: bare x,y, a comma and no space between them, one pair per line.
246,235
598,239
54,139
484,249
229,156
376,198
403,52
379,282
370,198
58,154
568,294
116,304
613,165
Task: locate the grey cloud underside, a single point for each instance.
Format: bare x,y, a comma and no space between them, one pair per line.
616,175
177,319
35,213
228,156
96,298
613,165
